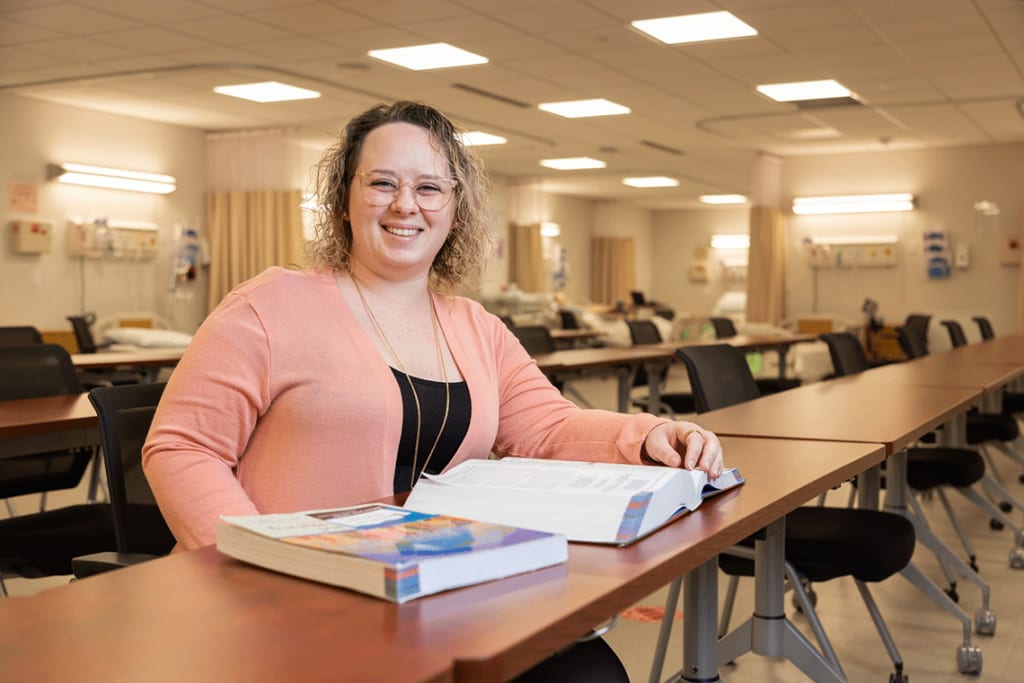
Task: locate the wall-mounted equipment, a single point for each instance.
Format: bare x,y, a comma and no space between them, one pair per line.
938,262
31,237
103,238
851,251
112,178
862,203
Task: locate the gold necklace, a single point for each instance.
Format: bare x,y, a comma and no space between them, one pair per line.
408,378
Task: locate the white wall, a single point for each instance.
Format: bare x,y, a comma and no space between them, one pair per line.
42,289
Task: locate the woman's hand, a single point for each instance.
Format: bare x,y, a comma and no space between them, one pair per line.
684,444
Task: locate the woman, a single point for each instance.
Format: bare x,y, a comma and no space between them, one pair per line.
340,384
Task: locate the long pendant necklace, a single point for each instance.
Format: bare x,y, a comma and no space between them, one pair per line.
408,378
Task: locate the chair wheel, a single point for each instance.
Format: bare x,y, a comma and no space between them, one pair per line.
898,677
973,563
951,592
1005,507
968,659
995,525
1017,558
985,622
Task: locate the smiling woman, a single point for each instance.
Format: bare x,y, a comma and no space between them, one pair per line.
343,383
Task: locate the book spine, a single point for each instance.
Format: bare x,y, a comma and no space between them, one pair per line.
402,583
633,517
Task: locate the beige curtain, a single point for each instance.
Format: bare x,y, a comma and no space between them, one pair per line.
612,269
249,232
766,269
526,257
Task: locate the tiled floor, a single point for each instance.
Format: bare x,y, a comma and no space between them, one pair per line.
927,637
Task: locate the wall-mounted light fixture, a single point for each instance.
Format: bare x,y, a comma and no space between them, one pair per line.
113,178
861,203
549,229
730,241
841,240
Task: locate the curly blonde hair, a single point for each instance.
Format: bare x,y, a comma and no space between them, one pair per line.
460,262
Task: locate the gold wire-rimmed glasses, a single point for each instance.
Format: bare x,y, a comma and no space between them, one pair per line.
430,194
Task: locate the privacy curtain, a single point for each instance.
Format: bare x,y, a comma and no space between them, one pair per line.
766,267
526,257
248,232
612,269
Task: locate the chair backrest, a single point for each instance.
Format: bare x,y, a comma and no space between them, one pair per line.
985,327
848,356
82,326
643,332
534,338
568,320
913,341
956,333
918,323
34,372
719,376
638,297
23,335
125,414
724,328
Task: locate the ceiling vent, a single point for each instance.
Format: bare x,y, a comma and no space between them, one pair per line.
663,148
491,95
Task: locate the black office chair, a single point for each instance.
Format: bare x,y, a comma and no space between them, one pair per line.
537,340
918,323
568,320
822,543
726,328
1013,401
140,532
22,335
672,403
82,327
43,543
985,327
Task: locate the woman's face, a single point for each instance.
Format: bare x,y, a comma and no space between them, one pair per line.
392,234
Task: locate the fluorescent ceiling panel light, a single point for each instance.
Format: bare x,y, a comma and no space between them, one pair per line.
723,199
651,181
854,239
865,203
733,241
804,90
573,163
267,91
577,109
432,56
475,138
695,28
112,178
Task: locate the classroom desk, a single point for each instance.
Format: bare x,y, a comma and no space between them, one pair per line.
570,338
35,425
202,616
748,342
623,360
857,408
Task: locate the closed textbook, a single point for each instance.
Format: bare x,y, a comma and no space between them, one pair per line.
387,551
586,501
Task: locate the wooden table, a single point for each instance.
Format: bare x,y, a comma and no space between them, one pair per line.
622,360
202,616
161,357
570,338
36,425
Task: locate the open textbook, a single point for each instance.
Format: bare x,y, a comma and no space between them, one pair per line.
386,551
585,501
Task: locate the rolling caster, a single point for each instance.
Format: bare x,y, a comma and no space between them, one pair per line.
1017,558
995,525
973,563
985,622
951,592
968,659
898,676
1005,507
811,595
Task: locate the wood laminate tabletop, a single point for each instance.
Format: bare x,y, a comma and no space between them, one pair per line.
201,616
138,358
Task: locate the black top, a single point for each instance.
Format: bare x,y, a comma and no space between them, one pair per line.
431,395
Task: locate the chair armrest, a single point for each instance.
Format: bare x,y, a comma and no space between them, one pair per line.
98,563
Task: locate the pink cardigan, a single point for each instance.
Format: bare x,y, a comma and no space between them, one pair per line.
282,403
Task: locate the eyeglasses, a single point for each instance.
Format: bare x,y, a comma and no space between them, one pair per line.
380,189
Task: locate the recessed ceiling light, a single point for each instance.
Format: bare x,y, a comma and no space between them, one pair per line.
723,199
695,28
432,56
651,181
476,137
803,90
267,91
575,109
573,163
